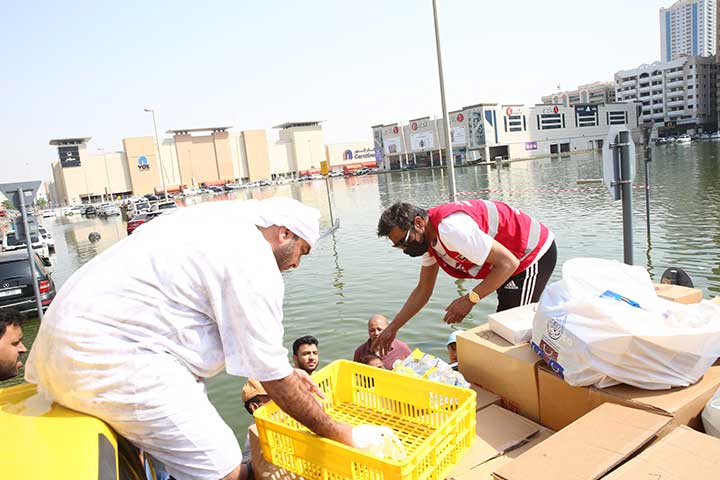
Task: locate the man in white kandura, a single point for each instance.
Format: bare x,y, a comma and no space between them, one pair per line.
133,333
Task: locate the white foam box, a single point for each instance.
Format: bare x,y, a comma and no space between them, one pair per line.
515,324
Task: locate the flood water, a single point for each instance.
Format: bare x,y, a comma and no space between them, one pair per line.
352,274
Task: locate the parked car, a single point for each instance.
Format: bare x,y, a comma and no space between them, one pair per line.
48,213
11,242
72,210
335,173
46,238
215,189
152,197
90,211
16,286
108,210
141,219
166,206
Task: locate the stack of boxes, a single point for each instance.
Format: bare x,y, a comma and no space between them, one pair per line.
620,432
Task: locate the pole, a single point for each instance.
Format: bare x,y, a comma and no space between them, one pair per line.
31,252
446,118
626,192
648,159
107,176
327,187
157,146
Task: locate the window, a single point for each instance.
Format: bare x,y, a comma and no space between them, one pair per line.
551,121
514,123
587,119
616,118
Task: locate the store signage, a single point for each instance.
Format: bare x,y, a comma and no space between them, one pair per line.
363,153
458,136
69,156
460,117
585,109
392,145
508,111
413,125
531,146
347,155
553,109
143,163
422,141
396,130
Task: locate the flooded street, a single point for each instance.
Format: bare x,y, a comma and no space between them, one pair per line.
351,274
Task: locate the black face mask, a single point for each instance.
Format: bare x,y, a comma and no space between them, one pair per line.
416,248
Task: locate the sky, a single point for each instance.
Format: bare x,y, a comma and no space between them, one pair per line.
89,68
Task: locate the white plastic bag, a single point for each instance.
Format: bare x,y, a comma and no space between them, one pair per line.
379,441
711,416
603,324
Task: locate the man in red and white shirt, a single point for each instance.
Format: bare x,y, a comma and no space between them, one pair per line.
507,250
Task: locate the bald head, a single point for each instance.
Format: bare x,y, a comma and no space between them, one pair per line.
376,325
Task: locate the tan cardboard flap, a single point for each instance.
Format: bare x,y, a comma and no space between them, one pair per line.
483,397
561,404
484,471
497,431
505,369
679,294
683,454
589,447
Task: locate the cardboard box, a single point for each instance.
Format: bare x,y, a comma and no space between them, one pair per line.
515,324
497,431
676,293
495,364
485,471
683,454
588,448
262,469
561,404
484,398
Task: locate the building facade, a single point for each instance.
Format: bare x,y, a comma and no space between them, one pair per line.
596,93
676,96
688,28
303,144
489,131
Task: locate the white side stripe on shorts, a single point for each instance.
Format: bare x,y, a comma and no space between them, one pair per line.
528,287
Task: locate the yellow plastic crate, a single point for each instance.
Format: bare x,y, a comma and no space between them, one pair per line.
434,421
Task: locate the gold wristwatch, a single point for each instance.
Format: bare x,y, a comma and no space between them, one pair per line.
473,297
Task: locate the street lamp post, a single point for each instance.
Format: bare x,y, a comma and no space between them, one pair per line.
157,146
108,190
446,118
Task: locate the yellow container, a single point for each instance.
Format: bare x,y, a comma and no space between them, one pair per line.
434,421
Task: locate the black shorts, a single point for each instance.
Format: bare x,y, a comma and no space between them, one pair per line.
527,286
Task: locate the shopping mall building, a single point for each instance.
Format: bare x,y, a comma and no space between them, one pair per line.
488,131
193,157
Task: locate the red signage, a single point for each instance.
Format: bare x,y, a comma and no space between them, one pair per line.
460,117
556,109
395,130
413,125
508,111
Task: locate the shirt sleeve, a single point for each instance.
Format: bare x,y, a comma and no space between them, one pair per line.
249,315
428,260
460,233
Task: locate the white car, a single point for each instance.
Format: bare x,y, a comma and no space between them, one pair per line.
107,210
11,242
46,238
48,213
72,210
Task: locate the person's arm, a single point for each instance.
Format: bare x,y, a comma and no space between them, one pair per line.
415,302
293,395
503,264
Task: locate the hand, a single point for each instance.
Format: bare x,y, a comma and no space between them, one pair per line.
381,345
458,309
308,383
